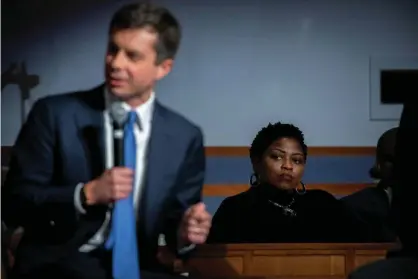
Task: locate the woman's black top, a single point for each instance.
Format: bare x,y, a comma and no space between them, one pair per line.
265,214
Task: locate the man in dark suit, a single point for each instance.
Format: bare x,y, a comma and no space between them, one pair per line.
404,204
372,205
62,179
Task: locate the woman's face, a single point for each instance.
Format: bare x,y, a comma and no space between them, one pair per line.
282,164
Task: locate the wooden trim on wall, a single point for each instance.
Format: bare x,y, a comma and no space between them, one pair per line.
226,190
312,150
243,151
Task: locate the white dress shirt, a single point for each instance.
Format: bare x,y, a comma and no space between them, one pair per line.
142,135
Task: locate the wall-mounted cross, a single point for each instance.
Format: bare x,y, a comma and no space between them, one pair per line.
17,74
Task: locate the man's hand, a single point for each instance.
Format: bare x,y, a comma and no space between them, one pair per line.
195,225
112,185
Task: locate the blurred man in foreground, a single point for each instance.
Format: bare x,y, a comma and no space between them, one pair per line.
404,205
85,214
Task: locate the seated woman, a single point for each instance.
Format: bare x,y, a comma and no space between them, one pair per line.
278,208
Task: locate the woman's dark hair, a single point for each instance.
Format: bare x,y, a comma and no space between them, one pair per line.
272,132
158,19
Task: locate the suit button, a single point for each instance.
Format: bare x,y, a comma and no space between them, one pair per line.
52,223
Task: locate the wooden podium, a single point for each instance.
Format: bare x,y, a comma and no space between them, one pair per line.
324,260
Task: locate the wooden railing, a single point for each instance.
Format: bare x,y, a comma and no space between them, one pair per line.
283,260
260,261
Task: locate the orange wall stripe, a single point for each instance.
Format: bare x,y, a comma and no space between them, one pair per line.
226,190
244,151
312,150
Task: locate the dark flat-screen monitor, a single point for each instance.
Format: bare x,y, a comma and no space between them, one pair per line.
395,85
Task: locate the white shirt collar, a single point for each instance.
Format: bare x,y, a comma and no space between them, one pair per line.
144,111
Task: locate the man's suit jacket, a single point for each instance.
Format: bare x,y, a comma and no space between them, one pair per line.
372,208
404,204
62,144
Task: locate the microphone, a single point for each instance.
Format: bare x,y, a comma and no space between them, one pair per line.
119,116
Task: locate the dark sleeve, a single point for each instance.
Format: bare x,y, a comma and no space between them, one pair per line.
356,204
225,224
342,223
404,203
371,209
188,189
352,228
28,193
359,204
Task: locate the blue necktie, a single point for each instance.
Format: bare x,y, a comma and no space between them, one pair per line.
123,238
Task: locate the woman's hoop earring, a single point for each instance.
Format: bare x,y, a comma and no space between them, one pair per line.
254,180
303,191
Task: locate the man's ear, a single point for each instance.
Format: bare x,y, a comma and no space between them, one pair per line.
164,68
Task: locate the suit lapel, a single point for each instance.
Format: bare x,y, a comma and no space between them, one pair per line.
157,185
91,128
